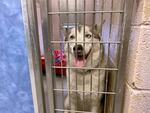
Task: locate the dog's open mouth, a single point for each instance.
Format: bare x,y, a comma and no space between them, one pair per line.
80,59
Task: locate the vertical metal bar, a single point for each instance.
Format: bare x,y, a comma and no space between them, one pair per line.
62,76
120,32
94,9
92,53
120,35
93,27
32,41
47,37
68,56
101,45
53,60
76,44
122,62
84,9
108,59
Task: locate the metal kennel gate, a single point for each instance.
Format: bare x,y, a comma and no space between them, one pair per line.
58,13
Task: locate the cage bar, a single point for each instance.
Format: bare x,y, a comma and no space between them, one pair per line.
101,42
76,26
97,92
88,68
83,12
47,37
84,17
47,26
108,57
118,102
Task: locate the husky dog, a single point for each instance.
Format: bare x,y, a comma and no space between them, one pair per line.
83,79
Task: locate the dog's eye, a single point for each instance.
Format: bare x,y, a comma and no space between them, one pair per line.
88,35
72,37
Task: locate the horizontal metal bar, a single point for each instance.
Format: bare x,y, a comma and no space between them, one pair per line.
72,111
97,92
99,42
84,12
89,68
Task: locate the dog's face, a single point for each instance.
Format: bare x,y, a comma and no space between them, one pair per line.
80,43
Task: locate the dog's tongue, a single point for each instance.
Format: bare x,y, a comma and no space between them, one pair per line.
79,63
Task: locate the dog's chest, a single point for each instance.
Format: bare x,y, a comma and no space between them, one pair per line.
90,81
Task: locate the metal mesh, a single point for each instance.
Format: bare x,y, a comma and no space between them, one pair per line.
61,15
113,18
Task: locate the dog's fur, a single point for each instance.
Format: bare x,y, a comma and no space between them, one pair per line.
89,77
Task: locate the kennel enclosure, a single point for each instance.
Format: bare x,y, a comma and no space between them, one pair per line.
69,13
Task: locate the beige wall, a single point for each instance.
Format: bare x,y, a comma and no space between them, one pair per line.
137,94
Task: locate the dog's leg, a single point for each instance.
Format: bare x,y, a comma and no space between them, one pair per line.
70,105
67,107
73,102
95,105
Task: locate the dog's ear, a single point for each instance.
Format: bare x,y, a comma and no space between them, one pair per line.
97,29
66,32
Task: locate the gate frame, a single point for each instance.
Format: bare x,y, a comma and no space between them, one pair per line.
120,84
33,52
32,41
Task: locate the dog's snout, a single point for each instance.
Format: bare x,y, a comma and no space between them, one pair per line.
78,48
